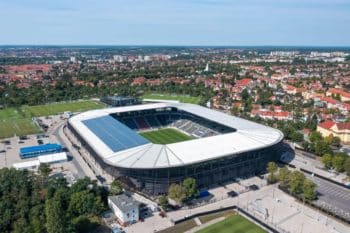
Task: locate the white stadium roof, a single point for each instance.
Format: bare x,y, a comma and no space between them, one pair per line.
247,137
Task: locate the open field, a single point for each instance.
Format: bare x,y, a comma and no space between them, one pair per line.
18,121
181,98
14,126
165,136
209,217
233,224
56,108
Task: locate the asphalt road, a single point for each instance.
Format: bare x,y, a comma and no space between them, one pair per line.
80,171
333,195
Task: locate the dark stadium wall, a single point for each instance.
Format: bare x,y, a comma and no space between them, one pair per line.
157,181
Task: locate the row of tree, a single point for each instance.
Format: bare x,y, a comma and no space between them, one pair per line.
37,203
294,182
338,161
180,192
66,90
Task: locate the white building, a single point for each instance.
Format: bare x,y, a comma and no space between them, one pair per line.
33,165
28,165
119,58
125,208
53,158
73,59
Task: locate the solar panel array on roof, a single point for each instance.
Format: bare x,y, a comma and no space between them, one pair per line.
114,134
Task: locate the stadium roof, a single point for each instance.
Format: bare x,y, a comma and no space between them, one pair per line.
247,137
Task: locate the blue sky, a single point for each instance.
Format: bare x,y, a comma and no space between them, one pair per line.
175,22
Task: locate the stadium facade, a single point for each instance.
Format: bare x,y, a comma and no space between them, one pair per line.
224,147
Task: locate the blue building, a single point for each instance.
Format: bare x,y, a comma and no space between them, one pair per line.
34,151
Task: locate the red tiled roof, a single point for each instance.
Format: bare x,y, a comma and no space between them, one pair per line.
339,91
326,124
343,126
329,100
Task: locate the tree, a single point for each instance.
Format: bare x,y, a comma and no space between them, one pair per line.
245,94
336,142
163,202
327,160
84,203
272,169
295,136
296,182
190,187
44,169
338,162
116,188
315,136
283,176
84,224
21,226
56,221
177,193
309,192
347,166
321,147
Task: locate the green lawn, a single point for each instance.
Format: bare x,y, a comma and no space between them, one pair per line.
233,224
57,108
18,121
181,98
181,227
165,136
13,126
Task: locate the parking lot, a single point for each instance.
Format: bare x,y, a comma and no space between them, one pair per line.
333,197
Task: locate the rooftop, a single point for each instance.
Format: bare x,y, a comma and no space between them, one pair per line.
124,202
247,137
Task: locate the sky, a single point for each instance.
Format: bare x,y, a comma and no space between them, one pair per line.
175,22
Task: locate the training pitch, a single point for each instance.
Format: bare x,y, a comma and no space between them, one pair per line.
18,121
233,224
61,107
165,136
181,98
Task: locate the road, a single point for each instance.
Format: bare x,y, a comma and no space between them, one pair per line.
56,132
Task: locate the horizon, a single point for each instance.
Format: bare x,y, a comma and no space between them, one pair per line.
186,46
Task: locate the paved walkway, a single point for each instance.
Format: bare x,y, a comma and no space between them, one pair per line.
285,214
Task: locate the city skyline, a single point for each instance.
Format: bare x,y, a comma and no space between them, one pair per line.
201,23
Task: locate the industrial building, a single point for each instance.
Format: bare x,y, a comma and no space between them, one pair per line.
35,151
33,165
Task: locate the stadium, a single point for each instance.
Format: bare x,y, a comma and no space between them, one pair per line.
151,146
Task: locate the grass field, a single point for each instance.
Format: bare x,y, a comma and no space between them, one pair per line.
56,108
165,136
181,227
233,224
19,127
181,98
17,121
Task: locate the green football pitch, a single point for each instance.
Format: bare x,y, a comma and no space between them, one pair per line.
165,136
181,98
233,224
18,121
61,107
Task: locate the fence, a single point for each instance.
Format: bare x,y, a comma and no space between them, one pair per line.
239,210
